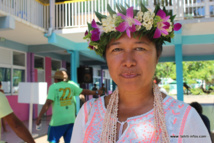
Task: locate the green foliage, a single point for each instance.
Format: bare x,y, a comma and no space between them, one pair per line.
111,12
196,91
166,70
167,87
203,70
100,16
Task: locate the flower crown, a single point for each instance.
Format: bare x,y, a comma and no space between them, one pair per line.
158,26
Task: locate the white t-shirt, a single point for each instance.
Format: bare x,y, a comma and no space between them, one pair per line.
183,123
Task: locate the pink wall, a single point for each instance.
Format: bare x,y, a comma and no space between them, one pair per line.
48,77
20,109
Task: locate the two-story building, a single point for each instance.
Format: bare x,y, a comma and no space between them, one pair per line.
39,37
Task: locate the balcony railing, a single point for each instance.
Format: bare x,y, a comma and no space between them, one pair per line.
27,10
77,14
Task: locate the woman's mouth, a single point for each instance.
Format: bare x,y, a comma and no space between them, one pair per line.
129,75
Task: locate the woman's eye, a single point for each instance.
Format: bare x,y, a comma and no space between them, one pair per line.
139,49
116,50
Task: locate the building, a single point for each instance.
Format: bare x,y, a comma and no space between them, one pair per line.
38,38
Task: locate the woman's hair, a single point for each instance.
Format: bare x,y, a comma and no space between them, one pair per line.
0,83
197,107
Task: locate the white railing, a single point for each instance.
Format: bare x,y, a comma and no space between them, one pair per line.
79,13
28,10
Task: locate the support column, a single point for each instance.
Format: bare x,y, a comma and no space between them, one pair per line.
48,77
30,67
179,66
74,66
179,71
101,79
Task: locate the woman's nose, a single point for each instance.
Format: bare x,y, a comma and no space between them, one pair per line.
129,59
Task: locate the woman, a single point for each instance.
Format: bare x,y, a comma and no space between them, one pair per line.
131,42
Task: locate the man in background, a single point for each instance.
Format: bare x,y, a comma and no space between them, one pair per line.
61,97
199,109
103,89
2,120
95,89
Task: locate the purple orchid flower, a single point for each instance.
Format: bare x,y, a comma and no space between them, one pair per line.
163,25
177,26
129,23
96,33
91,47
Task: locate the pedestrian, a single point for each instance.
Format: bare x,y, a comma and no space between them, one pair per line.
16,125
95,89
2,120
103,89
131,42
199,109
61,97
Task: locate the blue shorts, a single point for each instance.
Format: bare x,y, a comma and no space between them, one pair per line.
56,132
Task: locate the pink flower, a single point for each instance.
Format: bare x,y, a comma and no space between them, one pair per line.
96,33
177,27
91,47
129,23
163,25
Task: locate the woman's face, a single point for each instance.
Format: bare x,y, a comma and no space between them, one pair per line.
131,62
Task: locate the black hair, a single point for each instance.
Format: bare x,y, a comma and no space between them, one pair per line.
197,107
59,80
0,83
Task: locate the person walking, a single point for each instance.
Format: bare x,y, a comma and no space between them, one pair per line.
61,97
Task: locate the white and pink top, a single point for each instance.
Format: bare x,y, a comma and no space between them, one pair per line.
183,123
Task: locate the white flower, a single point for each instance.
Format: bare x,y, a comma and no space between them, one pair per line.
96,47
108,23
148,20
138,27
139,16
170,29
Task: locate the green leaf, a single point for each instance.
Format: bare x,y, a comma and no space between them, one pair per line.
118,8
173,17
100,16
156,9
90,27
143,8
123,8
110,10
127,5
118,36
135,12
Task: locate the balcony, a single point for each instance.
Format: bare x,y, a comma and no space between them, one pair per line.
77,14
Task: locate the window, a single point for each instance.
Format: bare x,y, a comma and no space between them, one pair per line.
38,62
18,59
55,65
18,76
5,78
13,70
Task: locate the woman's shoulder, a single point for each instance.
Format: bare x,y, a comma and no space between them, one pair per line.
174,104
93,101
